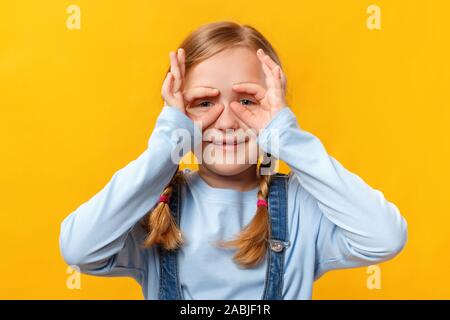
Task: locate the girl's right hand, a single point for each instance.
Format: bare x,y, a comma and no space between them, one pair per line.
172,88
174,95
203,115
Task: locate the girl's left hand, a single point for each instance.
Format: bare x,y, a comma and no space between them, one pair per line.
270,101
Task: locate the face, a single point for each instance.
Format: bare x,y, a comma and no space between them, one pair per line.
229,147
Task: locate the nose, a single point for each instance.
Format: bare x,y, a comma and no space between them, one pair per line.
227,119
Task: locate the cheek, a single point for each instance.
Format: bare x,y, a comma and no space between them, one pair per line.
253,151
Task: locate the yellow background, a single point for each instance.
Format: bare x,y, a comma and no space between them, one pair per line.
77,105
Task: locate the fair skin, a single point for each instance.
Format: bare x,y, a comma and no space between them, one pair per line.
227,95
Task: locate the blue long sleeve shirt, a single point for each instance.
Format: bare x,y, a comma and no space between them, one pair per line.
336,220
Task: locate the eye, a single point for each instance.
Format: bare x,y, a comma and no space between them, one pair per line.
246,102
203,104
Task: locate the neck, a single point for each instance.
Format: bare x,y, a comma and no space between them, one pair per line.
243,181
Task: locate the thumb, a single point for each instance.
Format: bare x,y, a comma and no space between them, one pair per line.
211,115
243,113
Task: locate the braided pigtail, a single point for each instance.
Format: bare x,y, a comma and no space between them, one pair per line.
161,225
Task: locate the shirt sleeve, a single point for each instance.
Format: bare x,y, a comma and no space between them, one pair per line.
358,226
103,236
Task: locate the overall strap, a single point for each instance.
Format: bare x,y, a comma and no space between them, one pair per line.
279,237
169,282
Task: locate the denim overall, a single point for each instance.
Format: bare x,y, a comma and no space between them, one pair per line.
169,282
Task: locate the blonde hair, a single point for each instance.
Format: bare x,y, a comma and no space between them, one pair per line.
252,242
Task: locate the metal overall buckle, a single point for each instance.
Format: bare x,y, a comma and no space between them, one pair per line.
278,245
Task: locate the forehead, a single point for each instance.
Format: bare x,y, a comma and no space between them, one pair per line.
234,65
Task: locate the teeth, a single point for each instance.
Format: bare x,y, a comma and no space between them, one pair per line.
229,143
226,144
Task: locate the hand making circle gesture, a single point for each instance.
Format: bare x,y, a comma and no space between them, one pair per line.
271,100
174,95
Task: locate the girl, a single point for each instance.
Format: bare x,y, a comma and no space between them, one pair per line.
228,231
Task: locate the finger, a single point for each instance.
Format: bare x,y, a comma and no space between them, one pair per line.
283,79
277,77
182,61
266,59
209,117
166,87
260,54
269,76
197,92
268,63
243,114
267,71
174,68
251,88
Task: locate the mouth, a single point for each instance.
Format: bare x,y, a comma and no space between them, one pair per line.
229,143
